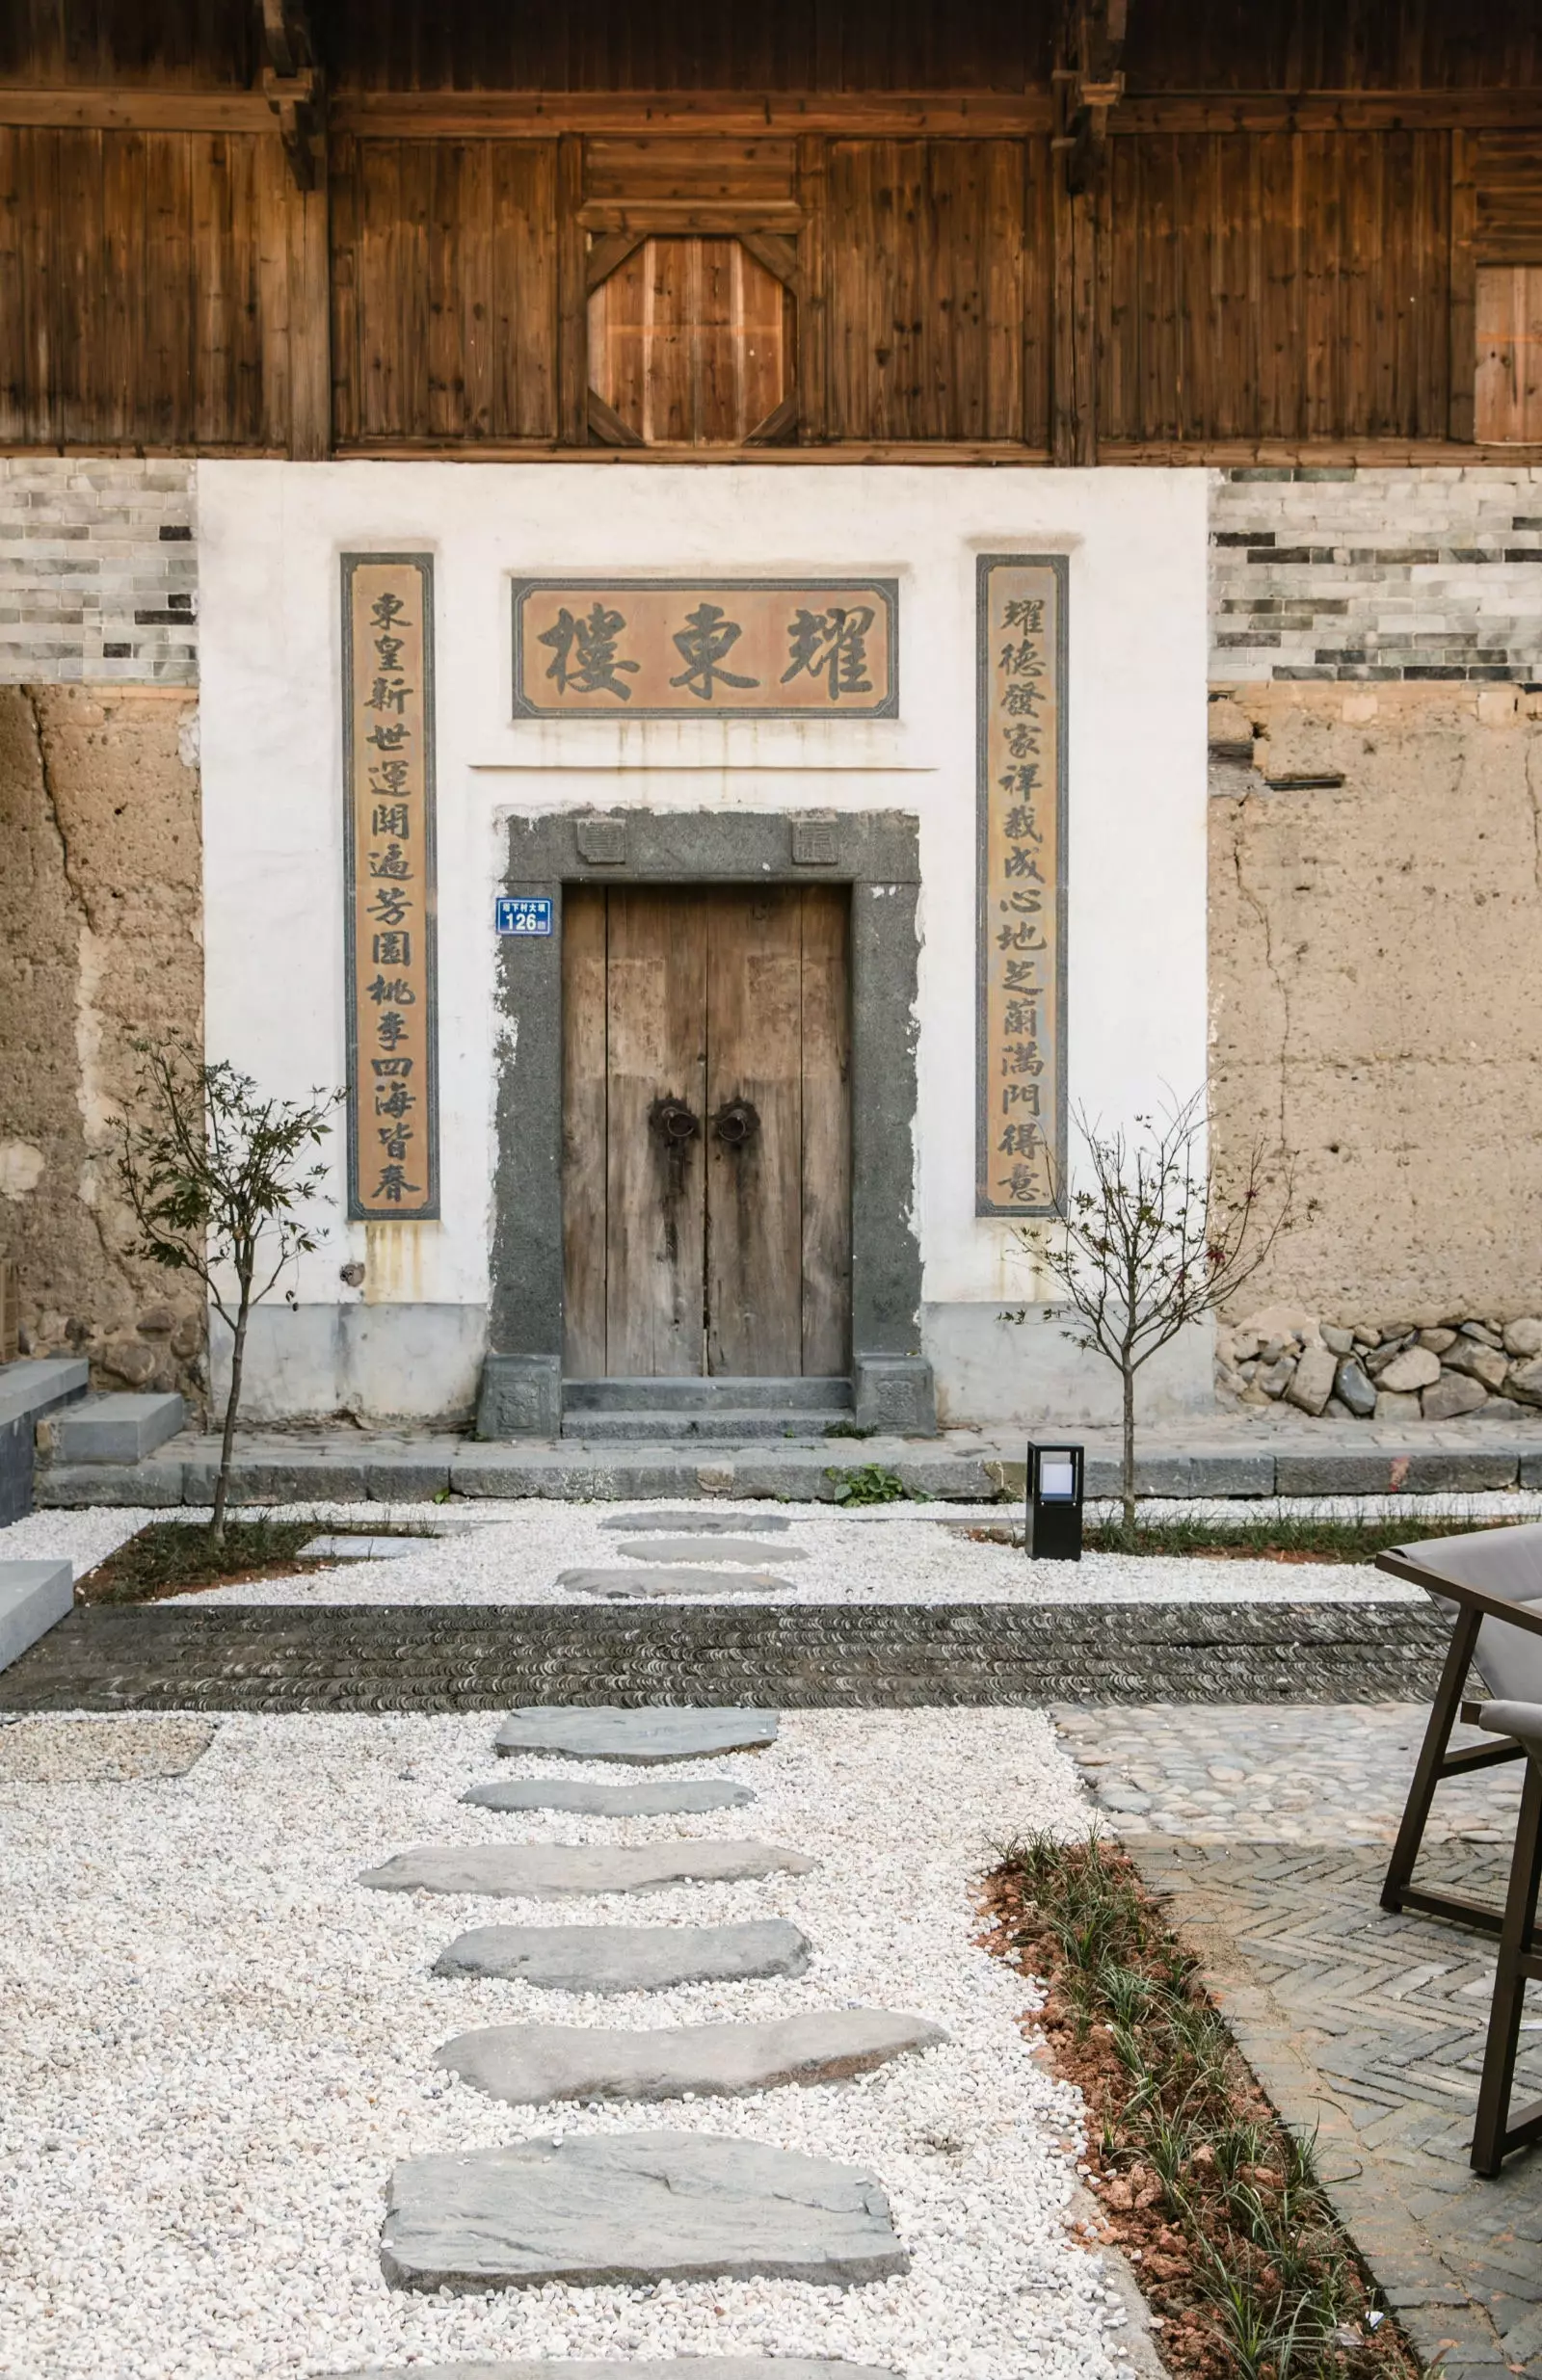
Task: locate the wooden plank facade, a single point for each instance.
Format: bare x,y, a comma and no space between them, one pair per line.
1302,227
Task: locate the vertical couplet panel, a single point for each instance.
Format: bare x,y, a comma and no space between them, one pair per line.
1021,965
390,886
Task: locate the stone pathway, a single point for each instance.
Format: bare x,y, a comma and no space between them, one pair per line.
1267,1829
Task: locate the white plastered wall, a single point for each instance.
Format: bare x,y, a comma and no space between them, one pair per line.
410,1340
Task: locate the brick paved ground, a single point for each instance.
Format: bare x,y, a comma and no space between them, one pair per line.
1267,1827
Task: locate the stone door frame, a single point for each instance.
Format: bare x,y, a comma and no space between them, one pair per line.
876,853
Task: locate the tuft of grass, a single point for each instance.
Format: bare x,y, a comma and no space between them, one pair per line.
173,1558
871,1483
1241,2251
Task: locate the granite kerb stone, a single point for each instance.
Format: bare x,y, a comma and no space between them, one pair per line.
555,1871
533,2065
646,1797
628,1958
633,2209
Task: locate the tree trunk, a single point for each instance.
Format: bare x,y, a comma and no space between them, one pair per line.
1127,1472
238,1349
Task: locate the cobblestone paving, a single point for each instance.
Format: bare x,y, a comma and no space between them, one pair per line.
177,1657
1266,1825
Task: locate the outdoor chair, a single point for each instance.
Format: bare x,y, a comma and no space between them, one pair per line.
1491,1579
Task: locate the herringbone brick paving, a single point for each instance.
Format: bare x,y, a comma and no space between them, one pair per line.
1363,2026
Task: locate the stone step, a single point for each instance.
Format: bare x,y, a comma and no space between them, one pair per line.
533,2065
694,1395
628,1958
119,1428
631,2211
650,1797
693,1549
724,1425
700,1523
34,1598
642,1738
640,1586
36,1386
553,1871
688,2366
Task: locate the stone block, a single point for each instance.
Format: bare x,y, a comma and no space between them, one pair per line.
409,1477
17,1465
113,1429
895,1393
532,2064
36,1385
944,1479
34,1598
66,1486
521,1397
307,1477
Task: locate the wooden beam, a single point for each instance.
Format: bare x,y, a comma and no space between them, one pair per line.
607,255
779,426
1076,182
662,217
779,257
606,424
572,295
1462,304
857,115
310,244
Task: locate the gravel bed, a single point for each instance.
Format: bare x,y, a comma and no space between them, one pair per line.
906,1555
100,1751
217,2045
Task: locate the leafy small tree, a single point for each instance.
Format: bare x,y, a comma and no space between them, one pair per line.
215,1174
1147,1243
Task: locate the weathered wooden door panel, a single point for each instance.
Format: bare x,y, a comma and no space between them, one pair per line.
656,1015
724,1248
826,1185
753,1150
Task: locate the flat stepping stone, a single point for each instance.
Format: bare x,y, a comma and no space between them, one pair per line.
651,1797
721,1549
628,1958
625,2211
696,2366
661,1732
551,1871
531,2064
700,1524
619,1586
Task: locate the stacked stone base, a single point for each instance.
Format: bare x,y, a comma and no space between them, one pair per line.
1468,1366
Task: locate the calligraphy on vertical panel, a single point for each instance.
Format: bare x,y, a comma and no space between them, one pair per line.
1021,1096
389,767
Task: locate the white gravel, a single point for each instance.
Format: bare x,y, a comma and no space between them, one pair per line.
215,2045
896,1554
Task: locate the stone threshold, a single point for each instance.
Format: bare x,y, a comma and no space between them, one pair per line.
1215,1459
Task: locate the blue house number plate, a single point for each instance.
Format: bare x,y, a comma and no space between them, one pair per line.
527,914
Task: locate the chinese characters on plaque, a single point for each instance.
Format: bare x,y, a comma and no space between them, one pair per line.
388,765
1021,628
668,648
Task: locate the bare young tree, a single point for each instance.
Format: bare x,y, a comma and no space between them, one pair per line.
1147,1244
215,1174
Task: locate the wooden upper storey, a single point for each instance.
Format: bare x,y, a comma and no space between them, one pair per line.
1113,229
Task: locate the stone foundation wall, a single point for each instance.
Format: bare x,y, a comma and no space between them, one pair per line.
100,943
1375,988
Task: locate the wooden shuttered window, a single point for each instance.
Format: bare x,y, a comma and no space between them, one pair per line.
690,342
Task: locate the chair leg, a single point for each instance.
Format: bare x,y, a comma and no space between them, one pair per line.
1491,2130
1426,1775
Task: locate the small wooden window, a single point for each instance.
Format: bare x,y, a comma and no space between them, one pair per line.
690,343
1509,353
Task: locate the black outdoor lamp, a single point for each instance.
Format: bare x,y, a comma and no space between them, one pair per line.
1053,1517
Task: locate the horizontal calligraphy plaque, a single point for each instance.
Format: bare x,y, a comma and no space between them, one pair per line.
683,647
389,844
1022,967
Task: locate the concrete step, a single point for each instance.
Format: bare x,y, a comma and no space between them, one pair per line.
723,1423
118,1428
34,1598
693,1394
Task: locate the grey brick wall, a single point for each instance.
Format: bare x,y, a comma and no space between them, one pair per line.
1376,574
1316,574
98,572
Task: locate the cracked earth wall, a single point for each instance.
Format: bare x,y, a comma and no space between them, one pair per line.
1376,988
100,942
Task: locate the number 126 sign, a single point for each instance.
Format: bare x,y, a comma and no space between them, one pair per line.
527,913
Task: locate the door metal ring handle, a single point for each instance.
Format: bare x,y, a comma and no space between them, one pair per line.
737,1124
674,1123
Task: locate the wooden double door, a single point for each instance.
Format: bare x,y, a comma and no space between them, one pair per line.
707,1131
